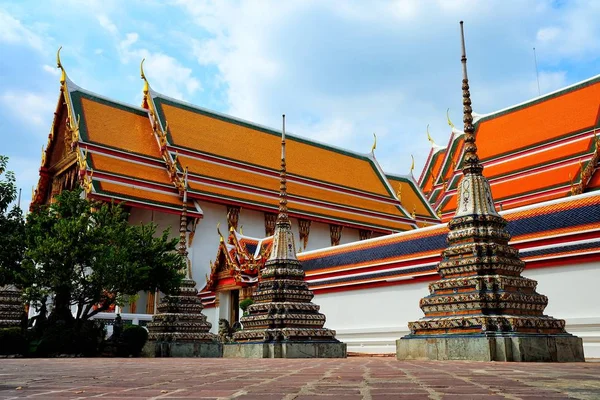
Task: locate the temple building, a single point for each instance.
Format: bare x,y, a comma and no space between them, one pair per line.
137,155
369,242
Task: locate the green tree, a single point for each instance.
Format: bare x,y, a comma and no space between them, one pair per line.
85,254
12,229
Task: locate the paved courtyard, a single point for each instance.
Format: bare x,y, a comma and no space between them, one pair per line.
353,378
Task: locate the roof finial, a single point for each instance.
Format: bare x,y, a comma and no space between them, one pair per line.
143,76
429,136
283,210
63,74
471,159
412,165
450,124
374,143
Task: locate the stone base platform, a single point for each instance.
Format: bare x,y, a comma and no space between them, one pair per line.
533,348
182,349
285,350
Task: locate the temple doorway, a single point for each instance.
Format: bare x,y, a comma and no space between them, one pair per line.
234,306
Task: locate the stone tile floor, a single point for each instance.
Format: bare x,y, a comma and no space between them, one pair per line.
353,378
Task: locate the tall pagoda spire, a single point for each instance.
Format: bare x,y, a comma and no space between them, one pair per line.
283,322
482,308
471,160
284,247
180,329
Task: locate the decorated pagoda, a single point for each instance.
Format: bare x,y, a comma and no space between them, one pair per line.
481,308
11,307
283,322
179,329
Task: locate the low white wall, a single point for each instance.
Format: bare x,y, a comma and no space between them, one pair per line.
370,320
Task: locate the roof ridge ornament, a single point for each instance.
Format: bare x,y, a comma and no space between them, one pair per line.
450,124
412,165
63,73
429,137
374,144
143,76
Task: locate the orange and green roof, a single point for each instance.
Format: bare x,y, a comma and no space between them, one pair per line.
233,161
540,150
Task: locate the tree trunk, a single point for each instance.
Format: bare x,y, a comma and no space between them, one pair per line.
61,310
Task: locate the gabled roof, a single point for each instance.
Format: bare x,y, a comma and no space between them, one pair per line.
413,199
546,234
121,153
539,150
232,161
559,232
238,261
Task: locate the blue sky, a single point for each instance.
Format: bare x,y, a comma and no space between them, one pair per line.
340,70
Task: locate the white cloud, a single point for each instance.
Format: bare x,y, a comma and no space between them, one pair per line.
31,108
107,24
12,31
342,70
548,34
51,70
164,72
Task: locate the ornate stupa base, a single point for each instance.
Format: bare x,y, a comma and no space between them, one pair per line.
11,307
309,349
502,347
180,329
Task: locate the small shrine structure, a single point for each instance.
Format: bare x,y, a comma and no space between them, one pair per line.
482,308
283,322
179,329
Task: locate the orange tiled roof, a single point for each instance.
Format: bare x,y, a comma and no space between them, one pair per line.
121,152
236,161
411,196
530,152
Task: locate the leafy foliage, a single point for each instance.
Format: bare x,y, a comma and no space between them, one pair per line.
87,255
85,338
12,341
12,229
132,341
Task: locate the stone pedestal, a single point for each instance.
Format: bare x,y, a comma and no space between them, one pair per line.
11,307
285,350
531,348
183,349
180,329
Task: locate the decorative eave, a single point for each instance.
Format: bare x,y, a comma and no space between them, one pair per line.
72,133
432,218
161,133
260,197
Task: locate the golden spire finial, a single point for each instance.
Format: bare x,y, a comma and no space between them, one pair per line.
450,124
283,210
219,232
374,143
471,159
143,76
183,222
412,165
429,137
63,74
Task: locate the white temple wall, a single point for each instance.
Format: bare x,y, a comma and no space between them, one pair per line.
206,240
319,236
370,320
253,223
349,235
